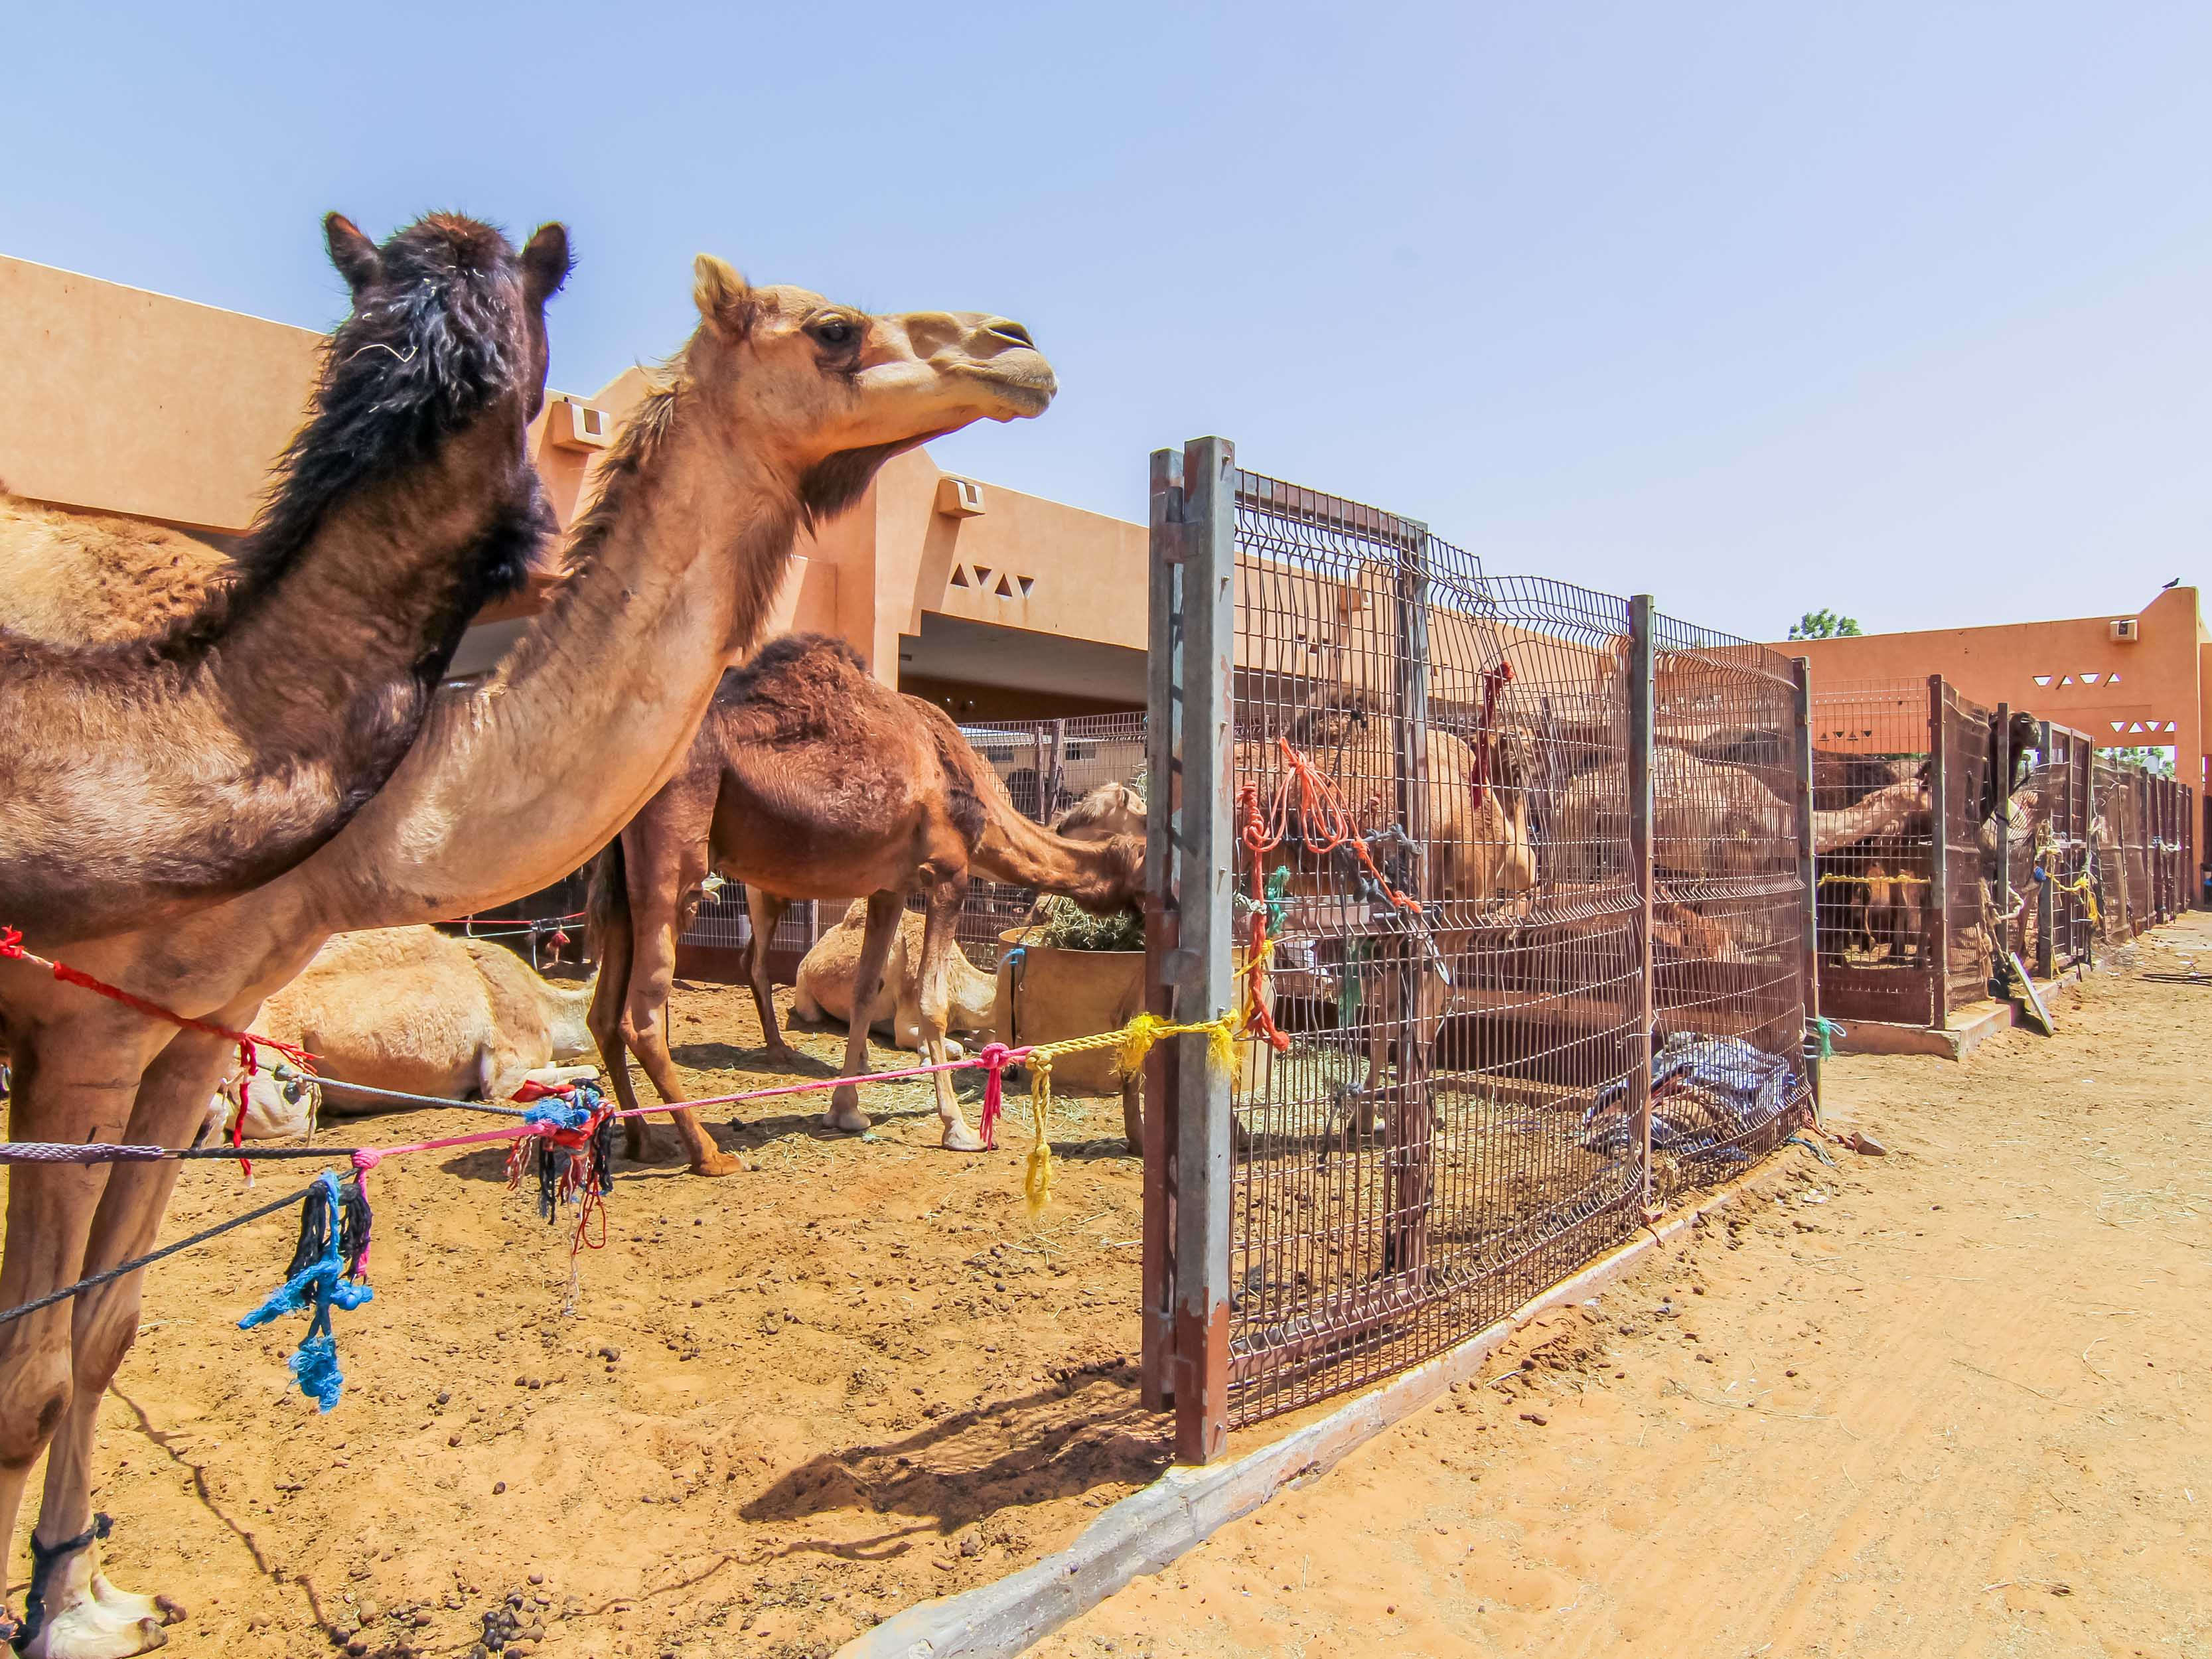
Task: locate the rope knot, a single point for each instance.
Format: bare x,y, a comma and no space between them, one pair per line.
366,1158
11,943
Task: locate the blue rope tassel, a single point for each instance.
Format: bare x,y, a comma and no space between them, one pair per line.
333,1233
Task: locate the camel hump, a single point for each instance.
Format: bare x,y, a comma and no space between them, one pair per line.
91,580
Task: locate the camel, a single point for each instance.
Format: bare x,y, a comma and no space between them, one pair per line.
183,725
776,414
421,1011
809,778
831,968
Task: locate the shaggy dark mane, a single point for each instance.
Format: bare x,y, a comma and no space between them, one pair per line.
419,358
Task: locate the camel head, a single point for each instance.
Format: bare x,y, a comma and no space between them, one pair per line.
828,392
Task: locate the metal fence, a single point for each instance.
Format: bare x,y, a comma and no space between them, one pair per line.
1522,873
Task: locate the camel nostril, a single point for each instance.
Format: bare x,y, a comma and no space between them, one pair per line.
1006,330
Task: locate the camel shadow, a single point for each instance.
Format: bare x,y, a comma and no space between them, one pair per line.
969,1465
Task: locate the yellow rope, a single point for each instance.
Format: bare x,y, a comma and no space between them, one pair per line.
1135,1041
1833,878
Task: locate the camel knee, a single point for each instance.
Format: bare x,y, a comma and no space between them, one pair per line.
34,1399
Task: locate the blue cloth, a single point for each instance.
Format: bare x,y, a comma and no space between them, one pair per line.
321,1284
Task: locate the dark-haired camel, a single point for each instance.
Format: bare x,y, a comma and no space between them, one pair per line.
774,414
185,725
811,779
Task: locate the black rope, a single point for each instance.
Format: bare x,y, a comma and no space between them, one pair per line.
146,1261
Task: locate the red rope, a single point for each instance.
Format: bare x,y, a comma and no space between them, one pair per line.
1323,824
1493,681
1258,1018
11,946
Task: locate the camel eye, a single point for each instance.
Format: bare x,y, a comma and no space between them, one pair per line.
833,331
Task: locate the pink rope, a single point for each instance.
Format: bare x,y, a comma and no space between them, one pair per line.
995,1057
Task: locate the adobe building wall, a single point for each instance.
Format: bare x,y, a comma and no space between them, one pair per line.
2151,692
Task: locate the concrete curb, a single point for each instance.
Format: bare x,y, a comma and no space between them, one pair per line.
1149,1529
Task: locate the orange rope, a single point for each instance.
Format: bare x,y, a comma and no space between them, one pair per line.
1323,824
1259,1019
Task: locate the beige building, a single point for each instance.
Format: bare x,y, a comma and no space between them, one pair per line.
993,603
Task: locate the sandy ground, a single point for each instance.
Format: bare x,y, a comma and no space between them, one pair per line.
790,1402
1947,1402
1951,1402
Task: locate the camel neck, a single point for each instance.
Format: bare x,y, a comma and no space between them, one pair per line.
518,782
350,639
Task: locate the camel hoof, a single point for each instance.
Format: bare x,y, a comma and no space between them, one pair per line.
781,1053
716,1164
845,1113
959,1138
88,1629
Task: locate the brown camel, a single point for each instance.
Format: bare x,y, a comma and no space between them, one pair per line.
216,719
776,412
809,780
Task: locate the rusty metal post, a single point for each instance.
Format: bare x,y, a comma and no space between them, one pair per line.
1808,955
1643,874
1412,1141
2000,890
1938,913
1164,673
2046,895
1200,969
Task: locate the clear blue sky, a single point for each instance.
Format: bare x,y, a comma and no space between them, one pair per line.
1898,308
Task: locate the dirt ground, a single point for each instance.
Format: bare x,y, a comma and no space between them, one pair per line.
1952,1402
1947,1402
789,1403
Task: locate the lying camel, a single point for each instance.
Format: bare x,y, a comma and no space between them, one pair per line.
809,778
418,1011
827,974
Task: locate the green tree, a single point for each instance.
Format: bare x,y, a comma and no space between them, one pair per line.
2151,759
1825,625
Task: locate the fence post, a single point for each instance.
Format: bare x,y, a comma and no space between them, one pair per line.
2001,776
2046,907
1412,1141
1163,675
1938,914
1200,969
1643,874
1809,958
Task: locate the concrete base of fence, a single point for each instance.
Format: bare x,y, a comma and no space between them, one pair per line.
1969,1029
1148,1530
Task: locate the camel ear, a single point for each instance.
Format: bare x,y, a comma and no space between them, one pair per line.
353,253
719,291
546,263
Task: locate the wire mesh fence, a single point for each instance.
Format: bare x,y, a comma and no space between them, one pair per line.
1878,905
1437,880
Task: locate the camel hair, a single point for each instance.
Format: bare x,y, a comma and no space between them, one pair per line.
809,778
183,724
776,414
418,1011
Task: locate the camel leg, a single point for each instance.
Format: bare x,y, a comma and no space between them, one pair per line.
72,1082
765,910
942,916
884,909
89,1616
609,993
658,878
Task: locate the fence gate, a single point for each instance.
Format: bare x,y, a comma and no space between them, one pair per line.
1473,843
